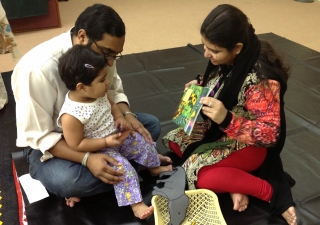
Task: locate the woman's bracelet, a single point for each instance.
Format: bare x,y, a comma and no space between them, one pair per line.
85,158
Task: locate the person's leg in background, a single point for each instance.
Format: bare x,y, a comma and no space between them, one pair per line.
7,40
3,93
7,45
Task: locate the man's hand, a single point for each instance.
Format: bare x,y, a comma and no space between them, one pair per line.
137,126
122,123
98,166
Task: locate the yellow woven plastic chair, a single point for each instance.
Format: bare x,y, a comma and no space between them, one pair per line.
203,209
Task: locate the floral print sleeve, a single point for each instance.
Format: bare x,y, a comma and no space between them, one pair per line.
262,125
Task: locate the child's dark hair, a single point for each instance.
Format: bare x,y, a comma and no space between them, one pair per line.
80,64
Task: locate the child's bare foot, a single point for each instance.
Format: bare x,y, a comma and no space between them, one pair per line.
164,160
157,170
240,201
290,216
141,210
72,201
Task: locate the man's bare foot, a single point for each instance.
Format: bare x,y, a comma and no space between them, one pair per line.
72,201
164,160
290,216
157,170
141,210
240,201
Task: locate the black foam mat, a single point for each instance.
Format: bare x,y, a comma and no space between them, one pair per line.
154,82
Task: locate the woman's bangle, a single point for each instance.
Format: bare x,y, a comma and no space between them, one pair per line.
85,158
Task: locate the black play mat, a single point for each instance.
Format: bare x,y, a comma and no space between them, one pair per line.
154,82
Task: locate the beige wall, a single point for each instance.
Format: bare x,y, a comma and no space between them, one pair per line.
161,24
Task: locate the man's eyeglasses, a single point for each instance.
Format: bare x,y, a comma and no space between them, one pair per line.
108,57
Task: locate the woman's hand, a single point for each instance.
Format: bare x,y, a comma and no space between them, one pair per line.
187,85
99,167
214,109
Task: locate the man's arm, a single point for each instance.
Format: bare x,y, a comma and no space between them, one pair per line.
115,109
115,88
36,104
96,163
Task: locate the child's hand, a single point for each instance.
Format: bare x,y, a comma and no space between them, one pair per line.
117,139
114,140
122,124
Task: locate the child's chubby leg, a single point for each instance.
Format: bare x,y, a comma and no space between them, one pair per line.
128,192
145,154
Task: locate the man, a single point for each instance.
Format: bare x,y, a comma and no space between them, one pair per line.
39,93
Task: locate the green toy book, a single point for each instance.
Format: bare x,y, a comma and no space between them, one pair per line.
189,107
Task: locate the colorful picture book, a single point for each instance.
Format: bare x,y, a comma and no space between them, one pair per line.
189,107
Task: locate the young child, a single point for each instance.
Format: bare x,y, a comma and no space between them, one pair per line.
92,122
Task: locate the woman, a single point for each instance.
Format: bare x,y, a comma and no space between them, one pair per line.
236,148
